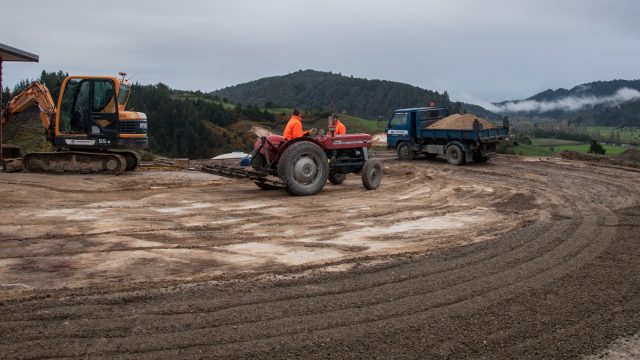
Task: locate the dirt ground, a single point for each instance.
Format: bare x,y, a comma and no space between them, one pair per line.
516,258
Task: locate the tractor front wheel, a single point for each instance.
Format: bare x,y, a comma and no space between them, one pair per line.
304,168
371,174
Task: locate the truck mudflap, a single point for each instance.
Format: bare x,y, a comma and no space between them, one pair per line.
255,176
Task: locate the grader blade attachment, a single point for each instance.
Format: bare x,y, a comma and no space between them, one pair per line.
238,173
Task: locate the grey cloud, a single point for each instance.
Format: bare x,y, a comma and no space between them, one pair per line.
493,49
569,103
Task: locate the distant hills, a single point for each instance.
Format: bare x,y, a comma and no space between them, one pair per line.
605,103
310,89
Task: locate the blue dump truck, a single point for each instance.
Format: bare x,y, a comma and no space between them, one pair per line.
415,131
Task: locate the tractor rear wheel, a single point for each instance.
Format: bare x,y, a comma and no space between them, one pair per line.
371,174
337,178
304,168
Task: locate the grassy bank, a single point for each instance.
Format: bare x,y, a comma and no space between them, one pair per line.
549,147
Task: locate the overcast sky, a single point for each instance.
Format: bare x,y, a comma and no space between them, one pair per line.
489,50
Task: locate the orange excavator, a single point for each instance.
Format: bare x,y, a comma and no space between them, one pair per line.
88,125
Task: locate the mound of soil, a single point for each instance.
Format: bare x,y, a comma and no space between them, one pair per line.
572,155
632,154
458,121
629,158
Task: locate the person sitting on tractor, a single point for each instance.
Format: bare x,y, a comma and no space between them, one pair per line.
294,127
340,128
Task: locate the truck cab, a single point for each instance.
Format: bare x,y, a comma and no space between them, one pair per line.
404,122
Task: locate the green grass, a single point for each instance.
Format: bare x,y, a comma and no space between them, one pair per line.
361,125
225,105
584,148
552,142
530,150
549,147
609,134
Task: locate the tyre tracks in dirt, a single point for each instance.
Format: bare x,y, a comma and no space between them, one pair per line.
525,292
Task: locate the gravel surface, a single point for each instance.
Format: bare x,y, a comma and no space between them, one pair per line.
516,258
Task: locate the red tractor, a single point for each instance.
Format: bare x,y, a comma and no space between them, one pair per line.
302,166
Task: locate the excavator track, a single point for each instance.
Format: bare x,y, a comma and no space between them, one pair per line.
131,158
70,162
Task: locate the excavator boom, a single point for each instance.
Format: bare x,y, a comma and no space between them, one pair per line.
34,94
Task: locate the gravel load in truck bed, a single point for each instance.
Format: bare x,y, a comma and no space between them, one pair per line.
458,121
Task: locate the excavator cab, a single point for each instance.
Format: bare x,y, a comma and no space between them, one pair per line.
88,107
92,114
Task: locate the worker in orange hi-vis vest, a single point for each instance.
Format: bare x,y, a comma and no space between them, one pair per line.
294,126
340,128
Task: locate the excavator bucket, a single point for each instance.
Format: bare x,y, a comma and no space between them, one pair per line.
11,158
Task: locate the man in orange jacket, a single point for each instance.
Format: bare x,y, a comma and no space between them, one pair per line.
340,128
294,127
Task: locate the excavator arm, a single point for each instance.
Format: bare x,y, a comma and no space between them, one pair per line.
37,94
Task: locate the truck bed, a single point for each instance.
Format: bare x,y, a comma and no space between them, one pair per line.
490,134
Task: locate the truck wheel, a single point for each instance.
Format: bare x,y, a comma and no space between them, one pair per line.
405,152
304,167
455,155
371,174
337,178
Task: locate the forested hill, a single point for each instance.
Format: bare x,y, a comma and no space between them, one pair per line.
605,103
312,89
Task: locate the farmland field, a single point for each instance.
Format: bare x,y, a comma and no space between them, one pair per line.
610,134
553,142
584,148
549,147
